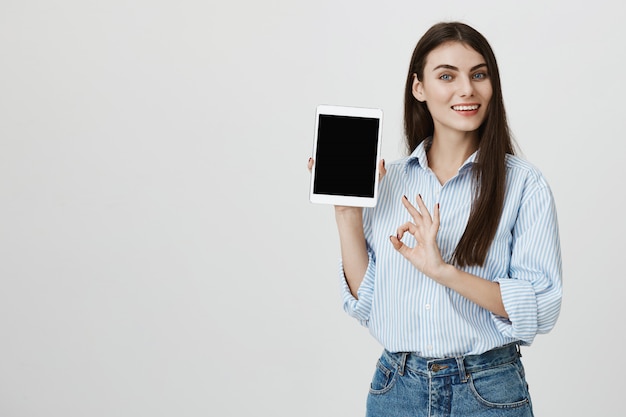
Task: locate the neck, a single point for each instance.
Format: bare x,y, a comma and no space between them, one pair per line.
447,153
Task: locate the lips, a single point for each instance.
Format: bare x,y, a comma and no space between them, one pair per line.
467,107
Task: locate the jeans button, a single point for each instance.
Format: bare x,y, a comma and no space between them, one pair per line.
436,367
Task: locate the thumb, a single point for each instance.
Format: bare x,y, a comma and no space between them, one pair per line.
398,245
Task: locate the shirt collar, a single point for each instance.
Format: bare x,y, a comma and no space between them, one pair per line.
419,157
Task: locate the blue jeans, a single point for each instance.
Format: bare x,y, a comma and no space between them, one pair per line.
491,384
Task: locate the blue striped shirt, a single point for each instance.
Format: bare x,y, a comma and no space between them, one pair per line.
409,312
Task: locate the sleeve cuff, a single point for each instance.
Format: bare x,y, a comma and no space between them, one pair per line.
360,307
520,303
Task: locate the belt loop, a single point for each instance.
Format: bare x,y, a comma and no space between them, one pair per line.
402,364
461,365
518,349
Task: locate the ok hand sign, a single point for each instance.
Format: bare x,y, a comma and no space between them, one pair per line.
425,256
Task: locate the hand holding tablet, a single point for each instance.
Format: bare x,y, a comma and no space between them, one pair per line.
346,153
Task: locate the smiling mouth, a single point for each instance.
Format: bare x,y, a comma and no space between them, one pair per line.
466,108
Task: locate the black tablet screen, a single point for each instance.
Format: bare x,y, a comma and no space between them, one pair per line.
345,161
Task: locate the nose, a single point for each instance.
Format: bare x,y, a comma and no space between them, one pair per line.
466,89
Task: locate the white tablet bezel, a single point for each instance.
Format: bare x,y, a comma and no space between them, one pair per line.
343,200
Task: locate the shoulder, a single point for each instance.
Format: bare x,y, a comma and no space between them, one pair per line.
391,186
398,163
519,169
399,166
395,169
398,170
526,180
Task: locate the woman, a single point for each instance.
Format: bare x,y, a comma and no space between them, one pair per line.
472,268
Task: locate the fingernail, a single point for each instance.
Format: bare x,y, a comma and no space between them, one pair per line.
310,159
420,196
398,236
437,206
404,197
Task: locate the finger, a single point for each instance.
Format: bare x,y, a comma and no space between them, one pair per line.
397,244
309,164
417,216
382,171
422,207
436,216
406,227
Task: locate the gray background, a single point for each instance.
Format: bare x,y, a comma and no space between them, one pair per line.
159,255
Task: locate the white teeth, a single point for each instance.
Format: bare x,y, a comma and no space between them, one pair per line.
465,108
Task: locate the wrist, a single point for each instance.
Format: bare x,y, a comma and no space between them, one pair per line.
445,274
346,212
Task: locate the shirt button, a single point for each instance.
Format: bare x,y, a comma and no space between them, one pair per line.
430,347
427,306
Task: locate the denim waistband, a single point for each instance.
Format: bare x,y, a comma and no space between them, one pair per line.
461,365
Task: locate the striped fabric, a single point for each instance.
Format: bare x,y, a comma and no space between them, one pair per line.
408,312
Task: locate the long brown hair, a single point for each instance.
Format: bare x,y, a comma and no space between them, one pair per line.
494,139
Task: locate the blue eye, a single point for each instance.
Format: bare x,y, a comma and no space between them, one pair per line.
479,76
446,77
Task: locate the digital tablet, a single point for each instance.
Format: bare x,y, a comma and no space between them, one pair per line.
346,151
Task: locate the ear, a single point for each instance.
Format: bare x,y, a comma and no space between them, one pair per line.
418,89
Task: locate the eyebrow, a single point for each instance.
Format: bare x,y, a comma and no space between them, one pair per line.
453,68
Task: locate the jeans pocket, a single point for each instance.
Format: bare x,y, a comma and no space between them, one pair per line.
384,377
500,387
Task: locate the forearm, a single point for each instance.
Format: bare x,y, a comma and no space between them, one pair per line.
476,289
353,247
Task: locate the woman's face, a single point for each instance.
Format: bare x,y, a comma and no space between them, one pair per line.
456,88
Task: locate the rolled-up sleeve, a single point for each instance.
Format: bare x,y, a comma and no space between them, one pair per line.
533,290
360,307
